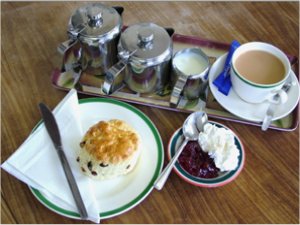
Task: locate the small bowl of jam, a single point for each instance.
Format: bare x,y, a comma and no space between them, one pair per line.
196,167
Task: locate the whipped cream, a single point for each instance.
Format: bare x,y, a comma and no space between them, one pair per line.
219,144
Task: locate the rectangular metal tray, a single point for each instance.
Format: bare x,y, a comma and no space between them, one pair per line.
91,85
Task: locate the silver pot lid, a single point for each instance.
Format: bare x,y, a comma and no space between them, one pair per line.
150,43
95,22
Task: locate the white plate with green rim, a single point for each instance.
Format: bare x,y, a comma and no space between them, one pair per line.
222,179
248,111
118,195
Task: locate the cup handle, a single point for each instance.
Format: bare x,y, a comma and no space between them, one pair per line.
177,90
280,97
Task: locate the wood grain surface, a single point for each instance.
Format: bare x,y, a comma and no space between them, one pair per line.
266,191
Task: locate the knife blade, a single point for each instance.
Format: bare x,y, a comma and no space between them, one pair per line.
53,131
271,109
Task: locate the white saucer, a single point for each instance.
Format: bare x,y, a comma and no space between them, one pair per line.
252,112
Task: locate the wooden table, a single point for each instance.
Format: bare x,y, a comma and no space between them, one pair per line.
267,190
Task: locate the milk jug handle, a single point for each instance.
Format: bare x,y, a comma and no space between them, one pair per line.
177,90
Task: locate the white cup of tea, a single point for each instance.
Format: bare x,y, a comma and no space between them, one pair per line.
258,72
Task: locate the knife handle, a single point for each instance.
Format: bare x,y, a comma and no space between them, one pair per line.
72,183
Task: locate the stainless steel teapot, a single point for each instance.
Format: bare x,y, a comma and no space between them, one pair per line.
145,52
94,32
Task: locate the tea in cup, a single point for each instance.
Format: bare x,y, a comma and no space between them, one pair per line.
189,69
258,72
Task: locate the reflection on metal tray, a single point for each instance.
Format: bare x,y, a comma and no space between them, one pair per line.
92,85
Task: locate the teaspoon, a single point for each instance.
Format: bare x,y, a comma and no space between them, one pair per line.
191,128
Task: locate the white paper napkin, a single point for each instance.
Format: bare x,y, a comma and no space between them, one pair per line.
37,164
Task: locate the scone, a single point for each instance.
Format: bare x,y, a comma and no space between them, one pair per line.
109,149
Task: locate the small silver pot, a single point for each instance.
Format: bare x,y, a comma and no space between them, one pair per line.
190,68
95,29
145,52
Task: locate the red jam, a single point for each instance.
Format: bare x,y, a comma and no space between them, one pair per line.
197,162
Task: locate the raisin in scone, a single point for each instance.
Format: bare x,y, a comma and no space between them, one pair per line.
109,149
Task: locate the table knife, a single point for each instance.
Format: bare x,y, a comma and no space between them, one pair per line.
53,131
271,109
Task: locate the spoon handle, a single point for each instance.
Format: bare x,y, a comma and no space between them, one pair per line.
161,180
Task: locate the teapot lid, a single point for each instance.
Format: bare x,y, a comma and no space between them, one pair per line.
95,22
150,43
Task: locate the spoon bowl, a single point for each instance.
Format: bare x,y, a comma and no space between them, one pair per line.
192,126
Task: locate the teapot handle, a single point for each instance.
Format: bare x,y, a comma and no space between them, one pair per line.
66,45
114,76
71,54
119,9
170,31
